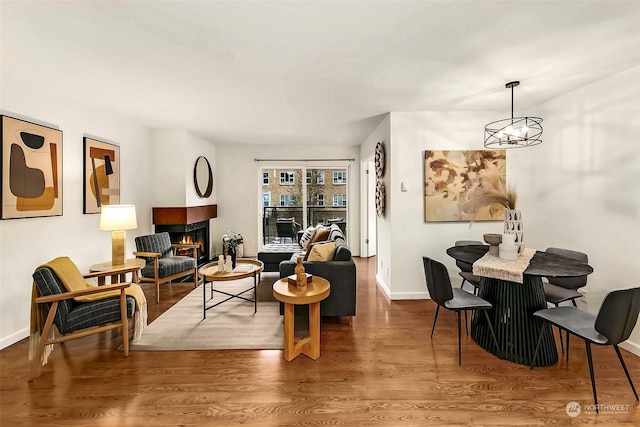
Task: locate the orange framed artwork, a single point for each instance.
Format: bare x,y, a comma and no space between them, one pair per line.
451,176
101,183
31,169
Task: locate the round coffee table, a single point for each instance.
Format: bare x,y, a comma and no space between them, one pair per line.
244,268
317,290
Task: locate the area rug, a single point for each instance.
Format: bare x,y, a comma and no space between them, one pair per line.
231,325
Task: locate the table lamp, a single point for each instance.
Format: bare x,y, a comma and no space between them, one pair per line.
117,219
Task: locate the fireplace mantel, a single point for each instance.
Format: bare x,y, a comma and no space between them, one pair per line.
186,215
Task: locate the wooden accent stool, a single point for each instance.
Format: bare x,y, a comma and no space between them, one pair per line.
316,291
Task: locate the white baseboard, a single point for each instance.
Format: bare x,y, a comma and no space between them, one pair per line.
383,286
399,295
14,338
631,347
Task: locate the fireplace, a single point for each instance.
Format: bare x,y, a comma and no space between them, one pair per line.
187,225
197,233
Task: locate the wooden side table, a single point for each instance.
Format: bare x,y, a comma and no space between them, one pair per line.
315,292
119,271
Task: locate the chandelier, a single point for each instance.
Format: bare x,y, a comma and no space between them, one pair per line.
514,132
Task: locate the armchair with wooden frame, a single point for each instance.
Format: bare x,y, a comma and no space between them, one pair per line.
162,265
54,305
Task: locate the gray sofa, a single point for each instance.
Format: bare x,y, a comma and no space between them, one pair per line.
340,272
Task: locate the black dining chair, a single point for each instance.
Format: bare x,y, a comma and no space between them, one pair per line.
466,269
561,289
454,299
612,325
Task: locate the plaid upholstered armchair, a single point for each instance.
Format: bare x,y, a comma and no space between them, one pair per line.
63,299
162,265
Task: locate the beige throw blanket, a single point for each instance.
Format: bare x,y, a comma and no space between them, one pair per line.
503,269
72,280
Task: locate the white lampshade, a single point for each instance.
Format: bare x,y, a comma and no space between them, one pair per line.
118,217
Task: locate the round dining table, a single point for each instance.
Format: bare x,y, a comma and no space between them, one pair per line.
516,328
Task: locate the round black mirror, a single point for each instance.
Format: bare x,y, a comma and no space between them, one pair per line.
203,177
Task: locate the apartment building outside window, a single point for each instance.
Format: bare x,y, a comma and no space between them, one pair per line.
339,200
266,198
265,178
340,177
287,178
286,200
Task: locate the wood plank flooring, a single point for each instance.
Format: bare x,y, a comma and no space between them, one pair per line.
384,370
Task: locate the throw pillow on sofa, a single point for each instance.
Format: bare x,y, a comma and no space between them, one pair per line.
307,236
322,251
322,234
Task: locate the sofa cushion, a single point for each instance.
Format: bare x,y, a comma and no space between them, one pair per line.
307,236
342,253
322,234
322,252
169,266
335,233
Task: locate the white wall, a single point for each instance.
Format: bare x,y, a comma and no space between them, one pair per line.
174,156
239,204
382,133
27,243
579,189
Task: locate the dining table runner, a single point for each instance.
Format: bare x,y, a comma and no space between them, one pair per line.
503,269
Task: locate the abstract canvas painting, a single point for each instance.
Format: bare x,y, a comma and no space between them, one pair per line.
31,169
450,176
101,182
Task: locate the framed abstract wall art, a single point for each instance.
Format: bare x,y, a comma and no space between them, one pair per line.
31,169
453,178
101,183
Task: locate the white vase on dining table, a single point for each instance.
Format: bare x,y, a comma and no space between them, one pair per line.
513,225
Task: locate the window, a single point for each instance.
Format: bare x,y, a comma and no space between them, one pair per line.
320,199
265,178
286,200
266,198
286,178
319,176
339,177
339,199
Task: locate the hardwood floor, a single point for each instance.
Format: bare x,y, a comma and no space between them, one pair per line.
384,370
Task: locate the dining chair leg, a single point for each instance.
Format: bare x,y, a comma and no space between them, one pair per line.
462,284
593,378
535,352
466,322
493,334
573,301
434,320
560,332
459,346
626,372
567,352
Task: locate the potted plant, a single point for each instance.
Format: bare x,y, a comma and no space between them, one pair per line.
230,242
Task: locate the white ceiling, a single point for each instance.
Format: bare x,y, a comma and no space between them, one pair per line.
312,72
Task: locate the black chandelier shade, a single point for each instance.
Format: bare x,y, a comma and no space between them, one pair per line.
514,132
